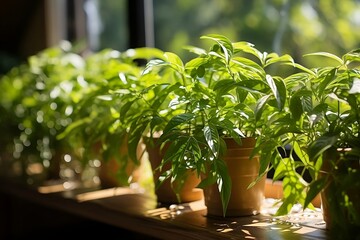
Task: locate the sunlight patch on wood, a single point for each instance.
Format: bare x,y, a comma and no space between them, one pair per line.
104,193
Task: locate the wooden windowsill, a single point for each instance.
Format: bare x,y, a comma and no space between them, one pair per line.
138,212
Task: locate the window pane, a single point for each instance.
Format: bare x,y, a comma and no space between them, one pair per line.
293,27
107,24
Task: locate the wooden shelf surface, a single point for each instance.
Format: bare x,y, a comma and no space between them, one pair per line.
138,212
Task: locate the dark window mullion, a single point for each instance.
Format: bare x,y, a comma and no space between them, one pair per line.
140,22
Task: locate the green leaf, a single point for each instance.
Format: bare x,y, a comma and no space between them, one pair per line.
105,97
135,134
303,156
242,45
73,126
306,102
178,120
155,121
295,107
280,169
175,61
326,54
207,181
315,188
175,153
302,68
260,105
248,68
144,53
319,146
150,66
352,56
224,43
281,92
124,109
228,125
330,76
200,71
165,91
212,138
276,59
196,50
286,205
224,86
224,184
195,63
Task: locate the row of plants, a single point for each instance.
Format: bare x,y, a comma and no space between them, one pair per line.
54,107
190,109
38,98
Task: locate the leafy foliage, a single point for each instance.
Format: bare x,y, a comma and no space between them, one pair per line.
321,116
223,91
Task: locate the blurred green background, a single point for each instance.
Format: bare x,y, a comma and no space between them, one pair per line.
292,27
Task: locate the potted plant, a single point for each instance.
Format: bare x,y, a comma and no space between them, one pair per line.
39,96
145,113
99,126
320,128
224,93
335,152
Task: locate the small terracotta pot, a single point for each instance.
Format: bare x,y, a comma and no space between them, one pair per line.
243,171
110,168
165,193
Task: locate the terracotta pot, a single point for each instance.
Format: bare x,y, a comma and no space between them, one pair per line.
108,173
243,171
110,168
165,193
